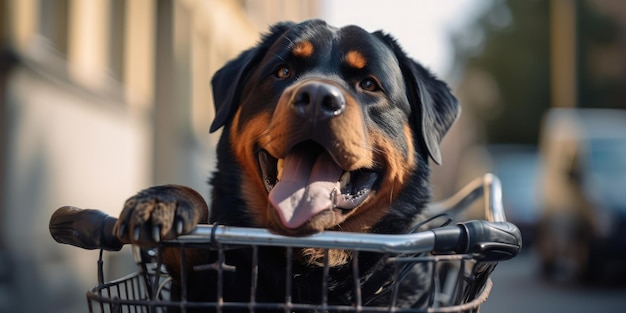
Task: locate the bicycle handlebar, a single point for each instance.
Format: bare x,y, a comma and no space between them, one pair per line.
493,240
84,228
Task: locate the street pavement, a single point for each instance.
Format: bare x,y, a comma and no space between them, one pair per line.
519,288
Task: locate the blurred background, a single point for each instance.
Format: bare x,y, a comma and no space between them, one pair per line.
102,98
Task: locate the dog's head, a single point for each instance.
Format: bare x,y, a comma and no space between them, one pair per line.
327,124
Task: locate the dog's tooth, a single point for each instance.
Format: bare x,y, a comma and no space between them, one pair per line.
344,180
279,168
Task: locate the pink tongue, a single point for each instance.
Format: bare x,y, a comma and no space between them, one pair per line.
306,187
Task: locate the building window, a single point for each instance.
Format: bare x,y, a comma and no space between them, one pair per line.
117,27
54,23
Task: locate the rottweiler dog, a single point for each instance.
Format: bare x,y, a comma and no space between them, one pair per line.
323,128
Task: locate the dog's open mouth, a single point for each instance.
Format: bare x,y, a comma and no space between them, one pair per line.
308,181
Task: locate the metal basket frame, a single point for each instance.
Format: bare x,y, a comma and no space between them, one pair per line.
459,282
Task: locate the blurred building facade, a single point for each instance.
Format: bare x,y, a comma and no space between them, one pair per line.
99,99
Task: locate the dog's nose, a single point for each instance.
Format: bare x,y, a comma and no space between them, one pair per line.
318,101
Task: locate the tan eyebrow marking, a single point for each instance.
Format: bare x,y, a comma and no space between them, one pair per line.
302,49
355,59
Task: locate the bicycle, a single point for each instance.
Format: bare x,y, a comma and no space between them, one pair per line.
458,259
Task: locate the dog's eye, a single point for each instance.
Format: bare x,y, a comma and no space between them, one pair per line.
369,84
283,72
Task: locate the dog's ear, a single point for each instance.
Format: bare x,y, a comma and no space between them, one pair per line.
440,109
434,108
228,82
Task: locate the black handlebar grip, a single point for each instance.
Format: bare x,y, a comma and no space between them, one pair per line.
450,239
84,228
495,241
492,241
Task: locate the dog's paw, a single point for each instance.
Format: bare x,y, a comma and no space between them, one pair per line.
160,213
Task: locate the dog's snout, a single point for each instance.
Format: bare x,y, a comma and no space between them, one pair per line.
318,101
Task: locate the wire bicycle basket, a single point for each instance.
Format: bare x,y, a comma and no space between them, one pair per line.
452,262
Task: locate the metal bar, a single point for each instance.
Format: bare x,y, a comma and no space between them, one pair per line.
488,186
254,279
395,287
220,279
432,268
357,281
152,287
183,276
325,282
126,291
456,295
493,199
288,278
398,243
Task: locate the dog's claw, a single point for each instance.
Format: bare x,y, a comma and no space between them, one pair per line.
136,233
179,227
156,233
122,230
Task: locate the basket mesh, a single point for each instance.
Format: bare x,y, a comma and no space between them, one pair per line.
456,283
